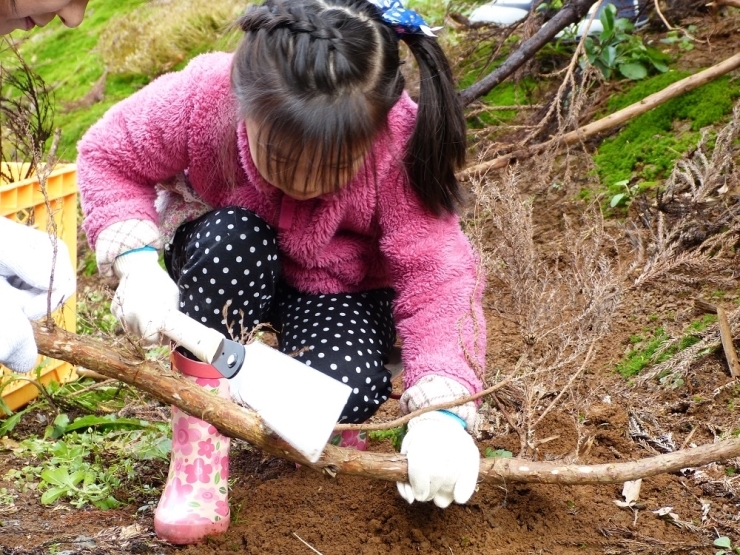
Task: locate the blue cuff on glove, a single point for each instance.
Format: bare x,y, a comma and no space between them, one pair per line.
145,248
456,417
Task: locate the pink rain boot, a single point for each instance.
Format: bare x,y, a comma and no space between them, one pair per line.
194,503
352,439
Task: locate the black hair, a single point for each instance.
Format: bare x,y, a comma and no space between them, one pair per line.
320,76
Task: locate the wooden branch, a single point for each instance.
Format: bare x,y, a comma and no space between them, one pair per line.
725,334
570,13
731,3
613,120
237,422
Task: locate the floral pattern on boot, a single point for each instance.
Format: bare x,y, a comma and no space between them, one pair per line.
352,439
194,503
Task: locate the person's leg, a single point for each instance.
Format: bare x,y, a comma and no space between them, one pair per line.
226,266
347,336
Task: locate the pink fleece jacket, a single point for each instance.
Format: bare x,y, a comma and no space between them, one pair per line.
373,233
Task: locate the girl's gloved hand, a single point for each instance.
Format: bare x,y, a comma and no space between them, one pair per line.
17,344
443,460
145,294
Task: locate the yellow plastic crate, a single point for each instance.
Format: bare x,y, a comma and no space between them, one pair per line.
24,202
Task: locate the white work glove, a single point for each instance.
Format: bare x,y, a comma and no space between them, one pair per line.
145,294
17,345
27,264
442,459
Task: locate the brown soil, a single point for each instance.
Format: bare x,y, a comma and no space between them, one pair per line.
279,509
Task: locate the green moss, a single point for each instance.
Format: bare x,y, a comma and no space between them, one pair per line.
648,146
638,359
702,323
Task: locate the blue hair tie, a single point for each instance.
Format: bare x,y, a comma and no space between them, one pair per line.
403,20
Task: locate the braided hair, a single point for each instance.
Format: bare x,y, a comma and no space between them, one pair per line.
320,77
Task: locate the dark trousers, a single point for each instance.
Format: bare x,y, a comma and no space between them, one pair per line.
227,266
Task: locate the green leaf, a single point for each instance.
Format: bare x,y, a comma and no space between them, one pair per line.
10,423
58,427
660,66
609,55
617,199
607,21
723,541
110,421
634,71
107,503
56,476
52,494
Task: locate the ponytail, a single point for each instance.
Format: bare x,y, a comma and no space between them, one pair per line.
437,147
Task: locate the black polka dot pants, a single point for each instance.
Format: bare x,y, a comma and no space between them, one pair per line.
226,265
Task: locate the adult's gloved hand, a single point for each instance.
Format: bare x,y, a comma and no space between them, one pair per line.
145,294
17,344
28,265
442,460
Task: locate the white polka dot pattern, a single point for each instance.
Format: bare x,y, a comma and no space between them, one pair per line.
226,265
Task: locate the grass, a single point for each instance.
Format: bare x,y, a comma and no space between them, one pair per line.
72,61
67,59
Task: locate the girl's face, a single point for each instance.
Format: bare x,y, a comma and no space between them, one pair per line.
303,184
27,14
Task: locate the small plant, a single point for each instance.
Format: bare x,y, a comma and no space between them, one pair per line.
725,544
88,460
684,41
93,313
621,199
7,499
617,50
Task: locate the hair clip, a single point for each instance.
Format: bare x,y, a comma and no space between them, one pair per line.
403,20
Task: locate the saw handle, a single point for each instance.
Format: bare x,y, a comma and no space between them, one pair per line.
204,342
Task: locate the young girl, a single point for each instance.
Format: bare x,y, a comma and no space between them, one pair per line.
300,185
25,281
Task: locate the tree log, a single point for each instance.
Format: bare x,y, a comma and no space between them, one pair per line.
572,12
235,421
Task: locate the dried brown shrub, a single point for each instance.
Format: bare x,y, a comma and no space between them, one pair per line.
559,298
687,235
153,40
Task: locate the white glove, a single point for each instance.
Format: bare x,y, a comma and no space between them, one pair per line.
442,459
26,263
17,344
145,294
